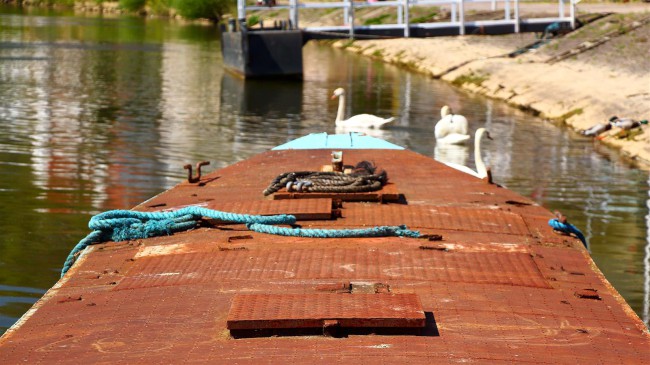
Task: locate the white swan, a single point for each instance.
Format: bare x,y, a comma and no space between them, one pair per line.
357,121
453,138
481,170
452,128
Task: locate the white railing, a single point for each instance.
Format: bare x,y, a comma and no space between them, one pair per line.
457,8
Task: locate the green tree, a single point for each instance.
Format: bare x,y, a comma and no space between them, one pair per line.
132,5
208,9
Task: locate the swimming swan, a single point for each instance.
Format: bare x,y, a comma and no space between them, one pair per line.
452,128
453,138
357,121
481,170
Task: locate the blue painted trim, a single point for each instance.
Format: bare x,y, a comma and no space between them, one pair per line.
351,140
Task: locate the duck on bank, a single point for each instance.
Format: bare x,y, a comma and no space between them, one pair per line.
623,125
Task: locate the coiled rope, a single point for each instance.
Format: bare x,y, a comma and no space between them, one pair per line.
568,228
123,225
362,179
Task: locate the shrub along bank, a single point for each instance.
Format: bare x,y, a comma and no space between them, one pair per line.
212,10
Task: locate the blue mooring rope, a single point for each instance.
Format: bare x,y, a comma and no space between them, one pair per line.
568,228
381,231
123,225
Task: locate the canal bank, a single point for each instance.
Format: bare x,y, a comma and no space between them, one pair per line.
580,79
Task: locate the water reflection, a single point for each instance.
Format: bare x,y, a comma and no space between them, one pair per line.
259,109
259,97
456,154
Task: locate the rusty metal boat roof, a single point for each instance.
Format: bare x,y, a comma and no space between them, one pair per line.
489,282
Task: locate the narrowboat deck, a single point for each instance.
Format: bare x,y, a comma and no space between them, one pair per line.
490,282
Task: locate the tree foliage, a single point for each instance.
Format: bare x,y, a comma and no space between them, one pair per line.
132,5
208,9
189,9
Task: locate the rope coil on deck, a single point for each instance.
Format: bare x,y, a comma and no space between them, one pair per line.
362,179
124,225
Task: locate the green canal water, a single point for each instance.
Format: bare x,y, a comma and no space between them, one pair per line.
101,113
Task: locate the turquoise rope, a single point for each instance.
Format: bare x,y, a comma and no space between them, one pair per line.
568,228
124,225
381,231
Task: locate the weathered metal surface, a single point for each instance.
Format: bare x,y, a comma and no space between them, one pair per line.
388,193
426,216
310,208
310,263
259,311
303,209
497,286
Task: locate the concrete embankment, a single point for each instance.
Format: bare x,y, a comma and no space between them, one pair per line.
580,78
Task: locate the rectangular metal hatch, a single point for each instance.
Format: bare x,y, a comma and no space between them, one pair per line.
303,209
388,193
321,312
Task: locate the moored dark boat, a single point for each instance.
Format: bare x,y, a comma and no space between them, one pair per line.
487,280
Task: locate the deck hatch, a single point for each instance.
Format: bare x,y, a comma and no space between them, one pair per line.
437,217
517,269
320,311
388,193
302,209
